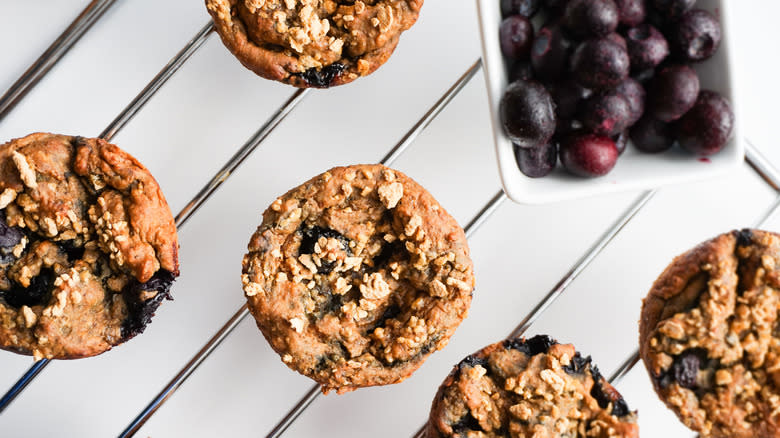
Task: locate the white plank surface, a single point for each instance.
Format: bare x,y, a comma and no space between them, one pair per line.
212,107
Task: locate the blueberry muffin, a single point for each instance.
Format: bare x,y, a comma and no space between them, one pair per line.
709,336
529,388
357,276
88,246
312,43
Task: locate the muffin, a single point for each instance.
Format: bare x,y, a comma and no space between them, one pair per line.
357,276
529,388
709,336
88,246
312,43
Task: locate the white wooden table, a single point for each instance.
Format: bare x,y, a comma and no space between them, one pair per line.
213,105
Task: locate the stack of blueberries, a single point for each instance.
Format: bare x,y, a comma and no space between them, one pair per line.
599,72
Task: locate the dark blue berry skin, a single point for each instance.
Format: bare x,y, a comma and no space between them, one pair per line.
528,114
9,238
568,96
647,47
324,77
673,9
621,141
600,64
696,37
591,18
37,293
651,135
516,36
606,114
550,53
140,313
708,126
526,8
635,94
631,12
588,155
310,236
539,344
672,92
685,369
537,162
617,38
521,70
555,7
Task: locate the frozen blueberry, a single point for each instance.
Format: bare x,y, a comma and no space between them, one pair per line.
566,127
537,162
631,12
516,35
621,141
652,135
647,47
634,93
528,114
526,8
600,64
587,18
707,127
555,7
673,9
673,92
617,38
606,114
645,76
696,36
588,155
550,53
521,70
568,95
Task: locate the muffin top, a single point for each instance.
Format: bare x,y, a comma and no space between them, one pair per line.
529,388
88,246
357,276
709,335
312,43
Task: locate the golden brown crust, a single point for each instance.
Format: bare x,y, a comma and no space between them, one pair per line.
528,388
708,335
88,246
312,43
357,276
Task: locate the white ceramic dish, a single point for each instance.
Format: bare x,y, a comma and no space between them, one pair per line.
634,170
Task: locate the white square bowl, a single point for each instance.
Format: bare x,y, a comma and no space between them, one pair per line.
634,170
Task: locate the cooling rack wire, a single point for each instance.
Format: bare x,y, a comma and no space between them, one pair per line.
95,10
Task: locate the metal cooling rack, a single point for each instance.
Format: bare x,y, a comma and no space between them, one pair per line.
95,10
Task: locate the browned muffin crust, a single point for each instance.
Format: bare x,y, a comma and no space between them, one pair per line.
357,276
88,246
709,336
529,388
312,43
